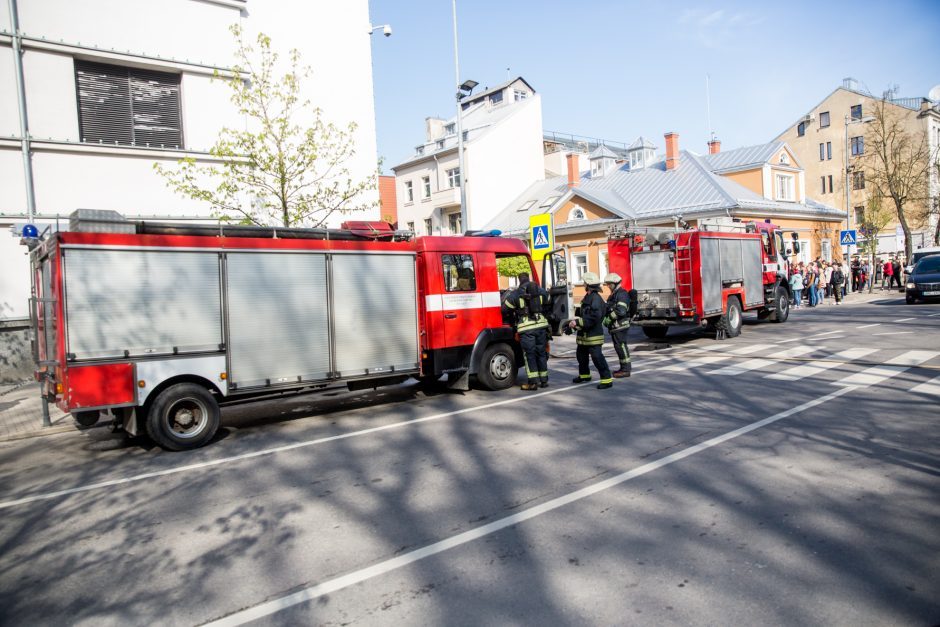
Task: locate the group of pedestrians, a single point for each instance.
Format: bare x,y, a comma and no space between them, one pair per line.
819,280
525,305
891,273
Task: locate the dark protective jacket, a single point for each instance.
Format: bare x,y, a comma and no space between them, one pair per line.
590,323
525,305
621,307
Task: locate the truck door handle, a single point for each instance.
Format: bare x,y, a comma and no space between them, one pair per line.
450,316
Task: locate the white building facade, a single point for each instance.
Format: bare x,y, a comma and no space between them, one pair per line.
502,155
112,87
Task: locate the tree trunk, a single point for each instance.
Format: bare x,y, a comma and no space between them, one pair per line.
908,237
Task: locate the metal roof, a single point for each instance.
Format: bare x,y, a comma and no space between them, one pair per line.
642,142
603,151
738,158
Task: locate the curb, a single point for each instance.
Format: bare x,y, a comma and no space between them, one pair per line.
53,430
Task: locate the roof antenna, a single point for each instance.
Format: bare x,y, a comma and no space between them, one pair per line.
507,74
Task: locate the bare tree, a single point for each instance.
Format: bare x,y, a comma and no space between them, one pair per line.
289,166
874,218
897,164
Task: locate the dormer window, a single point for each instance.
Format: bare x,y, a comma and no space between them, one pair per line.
784,158
496,97
440,143
419,150
576,213
519,95
450,129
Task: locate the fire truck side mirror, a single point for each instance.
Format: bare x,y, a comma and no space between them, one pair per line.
796,248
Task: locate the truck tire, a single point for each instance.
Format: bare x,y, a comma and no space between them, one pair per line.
732,320
86,418
655,333
498,367
183,416
780,310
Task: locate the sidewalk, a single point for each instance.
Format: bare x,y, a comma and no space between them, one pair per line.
21,405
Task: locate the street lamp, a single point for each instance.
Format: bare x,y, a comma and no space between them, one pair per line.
463,89
386,29
848,214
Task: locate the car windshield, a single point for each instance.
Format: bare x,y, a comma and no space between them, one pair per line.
928,264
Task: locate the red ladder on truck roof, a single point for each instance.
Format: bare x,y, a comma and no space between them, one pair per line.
685,291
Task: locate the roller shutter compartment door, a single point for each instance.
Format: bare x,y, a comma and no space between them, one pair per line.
277,318
375,314
141,302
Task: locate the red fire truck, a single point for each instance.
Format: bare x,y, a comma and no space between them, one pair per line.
156,325
704,277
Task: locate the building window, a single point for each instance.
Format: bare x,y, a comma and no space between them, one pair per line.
458,273
549,201
427,226
440,143
576,213
858,180
785,187
784,159
830,183
604,259
859,216
519,95
804,251
496,97
857,112
858,145
426,186
528,205
801,129
826,179
822,151
128,106
453,177
419,150
826,250
409,191
823,181
453,222
411,226
450,129
579,265
824,119
829,151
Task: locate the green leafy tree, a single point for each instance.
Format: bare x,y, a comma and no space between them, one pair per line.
512,266
288,168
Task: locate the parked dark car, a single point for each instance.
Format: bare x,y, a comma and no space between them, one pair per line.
924,282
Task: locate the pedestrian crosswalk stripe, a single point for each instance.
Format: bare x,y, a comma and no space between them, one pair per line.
713,359
814,368
929,387
754,364
890,368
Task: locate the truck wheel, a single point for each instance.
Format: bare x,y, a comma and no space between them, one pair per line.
498,367
780,310
655,333
732,320
183,416
86,418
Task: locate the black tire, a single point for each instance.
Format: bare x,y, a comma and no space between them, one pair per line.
183,417
780,310
732,320
655,333
86,418
910,299
498,368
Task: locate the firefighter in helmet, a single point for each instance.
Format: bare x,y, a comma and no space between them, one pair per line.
621,307
524,304
590,326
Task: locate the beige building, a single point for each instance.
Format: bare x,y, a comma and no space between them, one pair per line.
836,126
502,129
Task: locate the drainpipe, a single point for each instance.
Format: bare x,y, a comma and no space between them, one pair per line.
21,102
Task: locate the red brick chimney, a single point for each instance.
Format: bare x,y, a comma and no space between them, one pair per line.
714,146
574,173
672,150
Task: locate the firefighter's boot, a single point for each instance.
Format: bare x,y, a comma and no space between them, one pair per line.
624,371
531,385
581,379
543,383
603,385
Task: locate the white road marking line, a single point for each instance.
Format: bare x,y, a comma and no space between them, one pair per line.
929,387
933,315
754,364
905,319
865,326
713,359
797,339
816,367
376,570
271,451
890,368
893,333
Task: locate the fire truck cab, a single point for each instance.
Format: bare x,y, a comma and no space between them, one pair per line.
157,325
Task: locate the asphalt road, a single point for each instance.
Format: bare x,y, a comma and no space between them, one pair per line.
788,476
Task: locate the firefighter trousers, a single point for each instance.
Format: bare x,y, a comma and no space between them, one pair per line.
535,354
596,354
620,345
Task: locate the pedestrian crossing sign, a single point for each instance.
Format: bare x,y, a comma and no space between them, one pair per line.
848,238
541,235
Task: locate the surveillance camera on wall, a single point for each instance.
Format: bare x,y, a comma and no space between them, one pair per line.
387,30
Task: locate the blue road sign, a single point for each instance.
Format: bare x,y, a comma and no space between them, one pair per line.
848,238
540,239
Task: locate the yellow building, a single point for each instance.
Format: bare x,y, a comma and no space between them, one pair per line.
832,135
720,190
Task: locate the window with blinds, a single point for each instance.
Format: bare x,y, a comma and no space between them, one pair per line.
128,106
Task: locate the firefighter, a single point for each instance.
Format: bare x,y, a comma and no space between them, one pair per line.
525,307
590,326
621,307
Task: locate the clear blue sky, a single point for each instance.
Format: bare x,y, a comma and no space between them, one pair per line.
619,69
